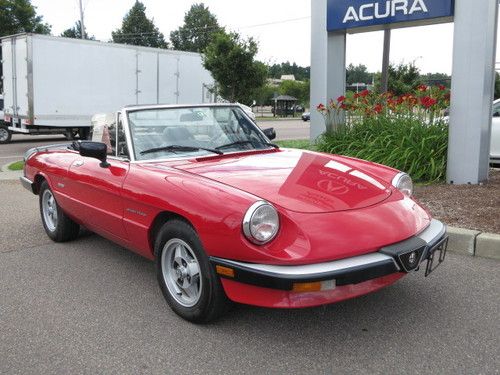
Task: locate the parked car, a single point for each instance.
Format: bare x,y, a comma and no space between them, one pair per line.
495,134
229,216
306,116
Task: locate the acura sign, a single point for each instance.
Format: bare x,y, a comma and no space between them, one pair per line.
375,14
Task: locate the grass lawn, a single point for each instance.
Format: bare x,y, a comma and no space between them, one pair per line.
17,166
304,144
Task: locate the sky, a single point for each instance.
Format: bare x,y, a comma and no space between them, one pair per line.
282,28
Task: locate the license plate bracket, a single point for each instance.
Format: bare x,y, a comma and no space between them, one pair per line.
437,254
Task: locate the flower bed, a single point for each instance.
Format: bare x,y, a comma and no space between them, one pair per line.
406,132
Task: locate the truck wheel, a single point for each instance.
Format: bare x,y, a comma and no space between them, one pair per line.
57,225
84,133
188,281
70,134
5,134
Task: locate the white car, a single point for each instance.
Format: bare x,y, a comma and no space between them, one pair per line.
495,134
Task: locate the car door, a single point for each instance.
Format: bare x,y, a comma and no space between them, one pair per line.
98,190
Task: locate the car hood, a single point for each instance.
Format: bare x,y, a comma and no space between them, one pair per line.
295,180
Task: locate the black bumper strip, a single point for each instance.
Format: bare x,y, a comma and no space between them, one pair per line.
352,275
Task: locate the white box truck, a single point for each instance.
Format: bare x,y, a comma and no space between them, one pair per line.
54,85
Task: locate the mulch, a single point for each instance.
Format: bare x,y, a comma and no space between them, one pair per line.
465,206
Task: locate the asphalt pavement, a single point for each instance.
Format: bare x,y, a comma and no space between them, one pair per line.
14,151
90,307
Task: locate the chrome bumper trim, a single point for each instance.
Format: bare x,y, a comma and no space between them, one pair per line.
433,233
27,184
317,268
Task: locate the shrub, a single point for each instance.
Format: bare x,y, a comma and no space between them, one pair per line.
406,133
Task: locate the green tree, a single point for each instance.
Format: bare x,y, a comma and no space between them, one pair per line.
403,78
76,32
264,94
433,79
358,74
231,60
199,29
138,30
19,16
300,73
297,89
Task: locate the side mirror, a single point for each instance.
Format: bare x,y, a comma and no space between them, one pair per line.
270,133
96,150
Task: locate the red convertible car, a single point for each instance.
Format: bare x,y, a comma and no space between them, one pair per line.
229,216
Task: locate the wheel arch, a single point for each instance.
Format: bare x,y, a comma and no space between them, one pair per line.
37,183
161,219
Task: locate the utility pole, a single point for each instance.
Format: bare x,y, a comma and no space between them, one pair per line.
384,84
82,25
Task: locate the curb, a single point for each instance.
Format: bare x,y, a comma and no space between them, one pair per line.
474,243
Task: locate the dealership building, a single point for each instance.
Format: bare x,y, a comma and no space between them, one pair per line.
475,33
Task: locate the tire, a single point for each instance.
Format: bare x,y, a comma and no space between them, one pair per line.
70,134
188,282
5,134
58,226
84,134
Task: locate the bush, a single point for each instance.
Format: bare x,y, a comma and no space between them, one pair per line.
406,133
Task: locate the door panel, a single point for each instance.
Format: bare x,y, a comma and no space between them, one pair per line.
98,192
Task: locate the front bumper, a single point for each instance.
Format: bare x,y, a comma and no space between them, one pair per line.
400,258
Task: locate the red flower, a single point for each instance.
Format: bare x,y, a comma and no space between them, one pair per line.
340,99
378,108
441,87
356,96
364,93
320,107
428,102
422,88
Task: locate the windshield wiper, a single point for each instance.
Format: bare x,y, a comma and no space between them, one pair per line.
238,143
174,148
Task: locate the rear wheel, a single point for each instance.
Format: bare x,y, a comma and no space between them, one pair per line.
58,226
5,134
71,134
188,282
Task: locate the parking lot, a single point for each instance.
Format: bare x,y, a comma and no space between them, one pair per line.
92,307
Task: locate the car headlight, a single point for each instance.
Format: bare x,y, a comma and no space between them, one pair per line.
403,183
261,223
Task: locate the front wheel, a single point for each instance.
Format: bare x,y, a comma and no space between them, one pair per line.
5,134
58,226
188,282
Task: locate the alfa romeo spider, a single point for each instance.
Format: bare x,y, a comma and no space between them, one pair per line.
228,216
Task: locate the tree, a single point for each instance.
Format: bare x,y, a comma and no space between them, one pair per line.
76,32
138,30
497,86
433,79
231,61
19,16
200,28
403,78
358,74
300,73
297,89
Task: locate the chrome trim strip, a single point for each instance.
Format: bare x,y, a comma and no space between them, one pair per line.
27,183
433,233
318,268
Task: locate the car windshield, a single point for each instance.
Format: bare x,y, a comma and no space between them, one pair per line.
163,133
